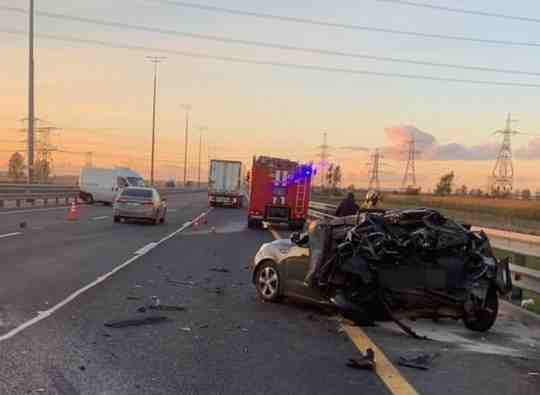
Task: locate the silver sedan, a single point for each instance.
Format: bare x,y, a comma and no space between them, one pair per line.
140,204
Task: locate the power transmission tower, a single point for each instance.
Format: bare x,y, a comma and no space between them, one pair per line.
409,177
375,165
324,155
45,150
503,171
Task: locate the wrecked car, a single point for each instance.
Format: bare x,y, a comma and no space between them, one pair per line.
385,264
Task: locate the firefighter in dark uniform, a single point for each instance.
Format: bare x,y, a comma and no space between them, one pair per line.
347,207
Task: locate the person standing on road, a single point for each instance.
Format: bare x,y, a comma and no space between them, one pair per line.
347,207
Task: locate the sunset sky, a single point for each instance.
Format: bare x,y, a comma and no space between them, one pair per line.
101,98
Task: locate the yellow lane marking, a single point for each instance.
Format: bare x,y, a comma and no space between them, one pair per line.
390,376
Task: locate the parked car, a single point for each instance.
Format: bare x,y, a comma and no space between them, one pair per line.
137,203
103,185
417,263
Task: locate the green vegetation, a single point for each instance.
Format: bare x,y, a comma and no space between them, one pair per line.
444,187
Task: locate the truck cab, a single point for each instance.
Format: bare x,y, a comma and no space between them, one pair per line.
279,193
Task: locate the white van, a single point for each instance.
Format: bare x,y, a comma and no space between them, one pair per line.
102,185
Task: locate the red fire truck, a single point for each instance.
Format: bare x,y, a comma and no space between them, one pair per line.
280,192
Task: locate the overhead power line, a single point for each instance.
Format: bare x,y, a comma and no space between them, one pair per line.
296,66
285,47
463,10
307,21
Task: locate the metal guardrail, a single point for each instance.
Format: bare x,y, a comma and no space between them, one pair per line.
522,276
33,192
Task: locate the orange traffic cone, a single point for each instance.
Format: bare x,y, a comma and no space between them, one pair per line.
73,214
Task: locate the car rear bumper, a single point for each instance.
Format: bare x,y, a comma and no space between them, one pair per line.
139,214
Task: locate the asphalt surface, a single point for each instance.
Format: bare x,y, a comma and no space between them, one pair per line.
226,341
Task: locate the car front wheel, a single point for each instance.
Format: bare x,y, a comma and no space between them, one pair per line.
268,282
484,319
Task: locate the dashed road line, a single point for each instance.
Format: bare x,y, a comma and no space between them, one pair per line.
47,313
386,371
99,218
10,235
145,249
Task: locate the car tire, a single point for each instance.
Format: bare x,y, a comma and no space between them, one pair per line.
116,219
268,282
87,198
162,219
484,319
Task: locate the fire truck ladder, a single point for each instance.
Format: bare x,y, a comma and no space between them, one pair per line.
301,196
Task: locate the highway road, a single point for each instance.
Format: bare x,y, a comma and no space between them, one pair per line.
226,342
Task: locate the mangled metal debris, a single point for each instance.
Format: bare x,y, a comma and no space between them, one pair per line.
137,322
421,361
366,362
220,270
391,264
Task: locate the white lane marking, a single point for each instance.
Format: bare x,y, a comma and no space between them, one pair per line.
99,218
34,210
10,235
47,313
145,249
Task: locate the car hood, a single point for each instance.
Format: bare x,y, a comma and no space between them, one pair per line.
275,250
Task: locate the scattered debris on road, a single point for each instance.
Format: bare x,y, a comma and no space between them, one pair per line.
216,290
186,329
133,298
220,270
141,309
366,362
421,361
136,322
23,225
164,307
82,368
203,326
184,283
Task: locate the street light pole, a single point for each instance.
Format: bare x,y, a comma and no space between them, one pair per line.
201,129
186,107
155,60
31,108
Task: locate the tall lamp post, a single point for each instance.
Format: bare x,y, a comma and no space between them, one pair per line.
31,107
155,60
201,130
187,108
